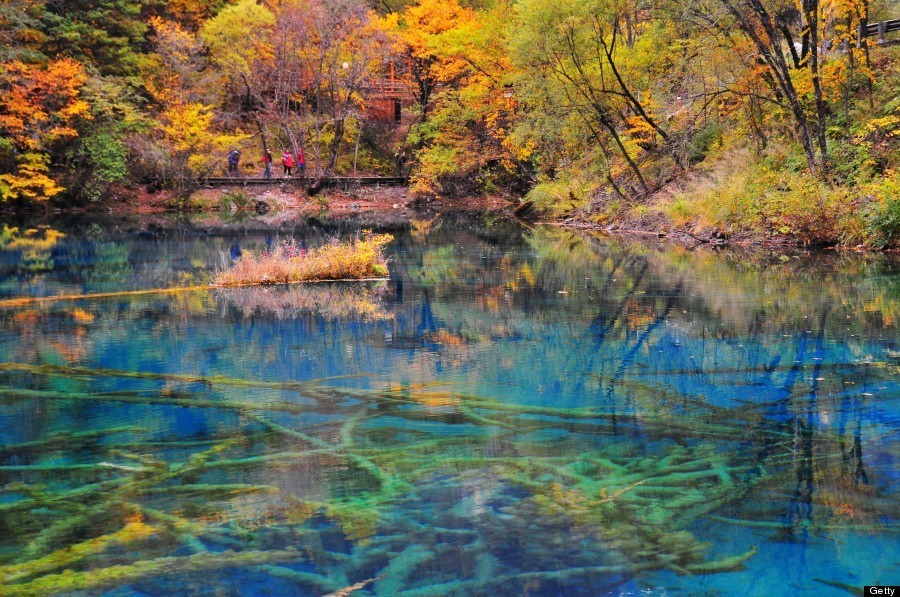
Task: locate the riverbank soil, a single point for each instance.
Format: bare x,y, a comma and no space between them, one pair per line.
284,202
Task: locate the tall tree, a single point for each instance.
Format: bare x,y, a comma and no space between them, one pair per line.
571,48
109,34
324,55
39,108
775,26
415,31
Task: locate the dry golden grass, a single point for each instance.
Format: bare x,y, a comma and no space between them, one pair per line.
288,263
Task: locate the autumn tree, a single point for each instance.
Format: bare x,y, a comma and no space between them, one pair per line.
20,35
111,35
192,14
324,54
467,141
415,31
97,160
194,140
40,106
568,51
787,39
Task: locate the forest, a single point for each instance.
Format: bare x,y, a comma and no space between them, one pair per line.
719,118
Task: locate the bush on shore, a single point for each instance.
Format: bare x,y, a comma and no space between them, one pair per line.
773,196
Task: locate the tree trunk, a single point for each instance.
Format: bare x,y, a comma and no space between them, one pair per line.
631,163
638,107
356,148
863,23
770,51
333,148
812,25
848,88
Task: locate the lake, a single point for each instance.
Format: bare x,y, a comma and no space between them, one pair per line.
516,411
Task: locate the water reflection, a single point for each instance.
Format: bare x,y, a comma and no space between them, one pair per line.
541,412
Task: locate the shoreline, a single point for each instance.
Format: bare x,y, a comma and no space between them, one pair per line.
743,239
395,206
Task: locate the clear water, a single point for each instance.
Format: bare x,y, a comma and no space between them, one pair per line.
515,412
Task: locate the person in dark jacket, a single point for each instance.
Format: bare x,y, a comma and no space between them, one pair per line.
233,160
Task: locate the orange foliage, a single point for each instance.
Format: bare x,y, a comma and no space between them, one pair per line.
39,106
418,26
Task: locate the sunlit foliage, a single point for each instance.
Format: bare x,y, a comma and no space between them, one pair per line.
39,107
595,107
287,263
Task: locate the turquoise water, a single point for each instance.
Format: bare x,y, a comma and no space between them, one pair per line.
515,411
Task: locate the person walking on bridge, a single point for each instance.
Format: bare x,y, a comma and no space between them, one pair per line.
287,160
267,164
233,160
301,161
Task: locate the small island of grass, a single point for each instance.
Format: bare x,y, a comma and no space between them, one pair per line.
360,259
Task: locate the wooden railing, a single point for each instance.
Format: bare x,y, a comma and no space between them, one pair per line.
331,181
391,89
879,29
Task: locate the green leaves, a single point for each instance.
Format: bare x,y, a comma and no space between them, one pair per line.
239,36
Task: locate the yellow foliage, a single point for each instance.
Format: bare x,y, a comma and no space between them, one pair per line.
239,36
189,129
416,31
359,259
888,125
39,105
30,180
639,130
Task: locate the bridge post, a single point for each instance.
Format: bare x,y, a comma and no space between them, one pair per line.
881,32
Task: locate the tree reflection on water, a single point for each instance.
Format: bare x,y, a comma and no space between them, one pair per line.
515,410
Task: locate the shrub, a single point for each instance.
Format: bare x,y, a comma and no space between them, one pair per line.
882,216
289,262
768,197
241,201
105,154
561,196
679,211
700,144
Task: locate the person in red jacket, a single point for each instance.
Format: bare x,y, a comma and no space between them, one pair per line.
287,160
267,164
301,162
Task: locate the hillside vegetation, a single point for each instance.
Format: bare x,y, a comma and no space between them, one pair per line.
716,118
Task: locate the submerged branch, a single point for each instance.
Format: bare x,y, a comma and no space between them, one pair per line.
123,574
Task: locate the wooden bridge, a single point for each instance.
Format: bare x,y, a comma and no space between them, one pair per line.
332,181
400,89
880,29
